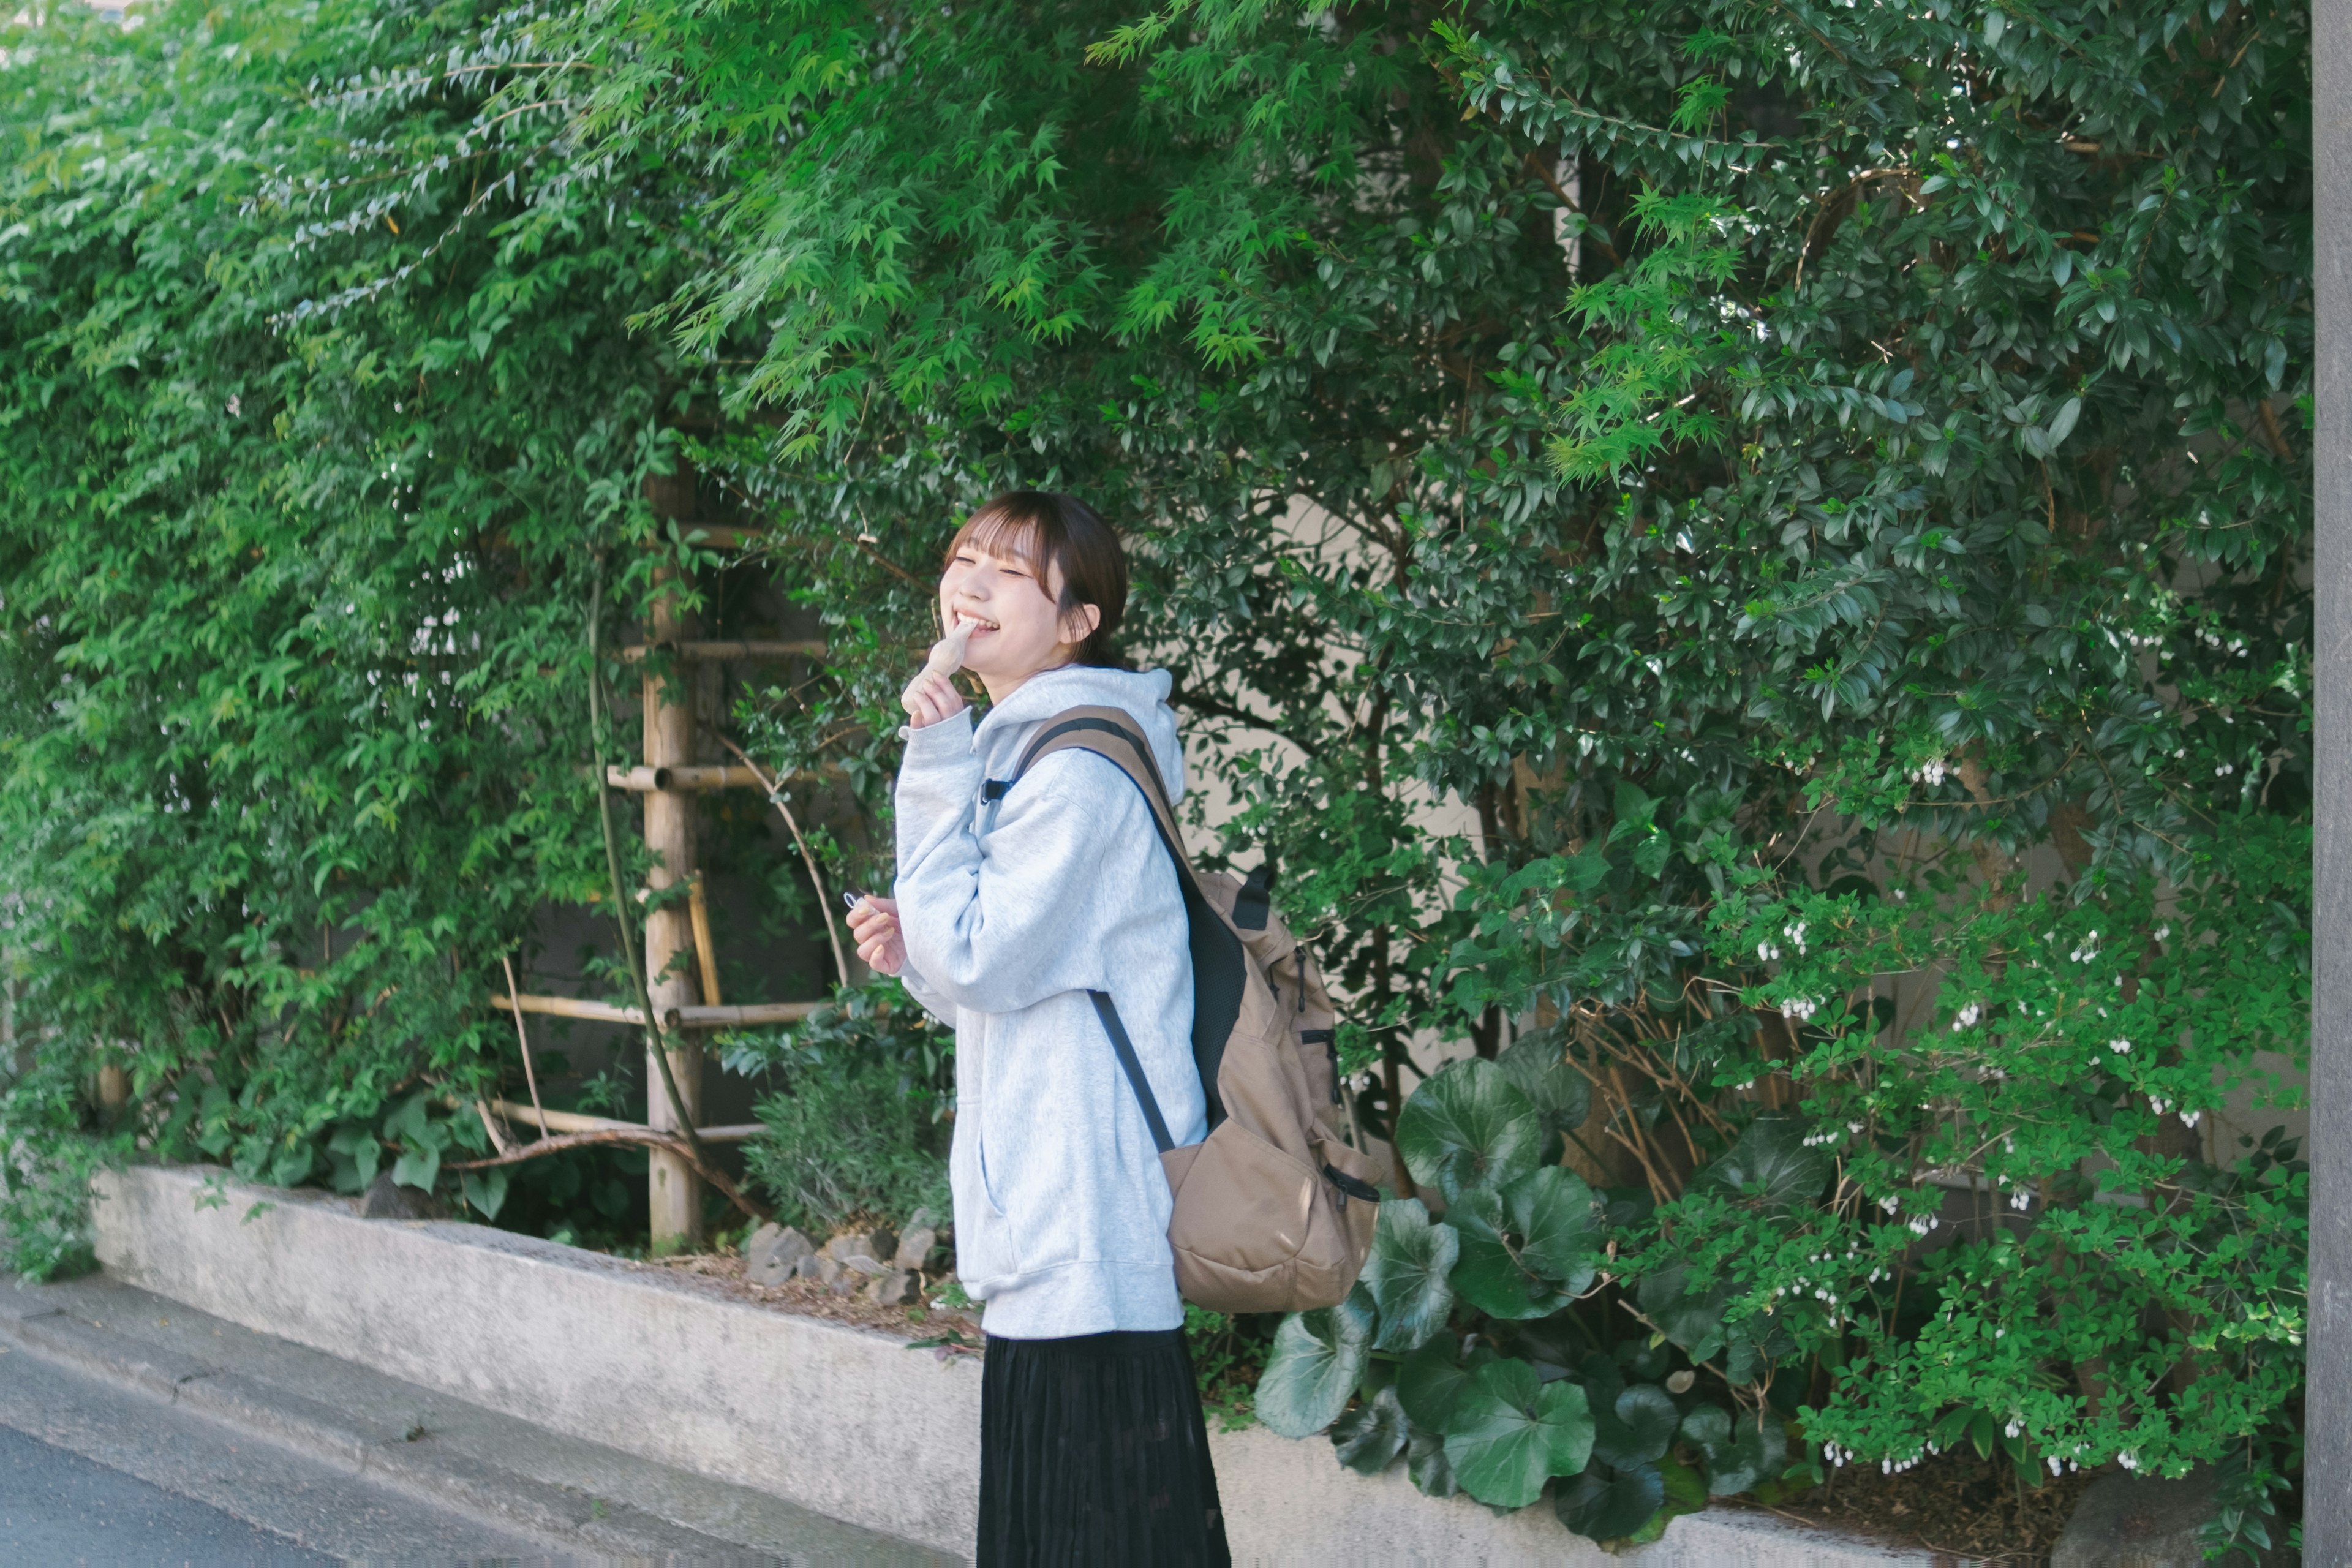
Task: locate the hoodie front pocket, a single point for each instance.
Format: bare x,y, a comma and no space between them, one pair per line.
985,1250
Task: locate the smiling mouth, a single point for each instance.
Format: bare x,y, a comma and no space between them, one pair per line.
977,624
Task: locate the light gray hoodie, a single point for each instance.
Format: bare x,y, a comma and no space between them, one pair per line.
1011,913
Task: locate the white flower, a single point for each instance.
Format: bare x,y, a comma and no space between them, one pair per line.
1800,1008
1968,1016
2120,1046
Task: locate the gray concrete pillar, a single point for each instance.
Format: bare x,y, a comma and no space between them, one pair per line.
2327,1471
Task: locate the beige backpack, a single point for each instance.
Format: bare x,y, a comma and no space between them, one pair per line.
1274,1210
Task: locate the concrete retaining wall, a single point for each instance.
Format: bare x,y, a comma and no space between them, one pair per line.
838,1419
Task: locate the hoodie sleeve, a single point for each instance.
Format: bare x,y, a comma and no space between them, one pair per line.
1002,925
926,994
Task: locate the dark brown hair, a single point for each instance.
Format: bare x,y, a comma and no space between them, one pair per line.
1050,532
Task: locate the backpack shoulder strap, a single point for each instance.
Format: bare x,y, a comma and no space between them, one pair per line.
1110,734
1219,958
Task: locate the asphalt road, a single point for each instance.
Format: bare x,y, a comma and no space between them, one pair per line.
57,1507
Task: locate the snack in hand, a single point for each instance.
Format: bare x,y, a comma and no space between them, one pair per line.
947,655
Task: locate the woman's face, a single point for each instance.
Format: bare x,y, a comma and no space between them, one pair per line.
1018,631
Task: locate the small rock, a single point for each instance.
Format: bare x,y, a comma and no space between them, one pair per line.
2142,1521
863,1250
387,1199
828,1269
775,1253
914,1247
899,1287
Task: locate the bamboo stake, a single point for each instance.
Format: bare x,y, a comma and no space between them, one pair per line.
707,956
824,900
692,1149
687,1017
523,1035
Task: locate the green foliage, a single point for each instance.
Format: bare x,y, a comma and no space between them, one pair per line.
1228,1356
1826,488
45,1174
314,424
858,1126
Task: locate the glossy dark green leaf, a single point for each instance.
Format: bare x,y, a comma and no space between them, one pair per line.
1771,1162
1636,1428
1527,1250
1740,1448
1537,1065
1409,1274
1369,1437
1425,1461
1312,1370
1609,1503
1430,1382
1559,1224
1692,1319
1468,1127
1511,1432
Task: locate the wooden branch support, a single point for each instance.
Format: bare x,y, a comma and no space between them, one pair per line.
643,779
726,650
575,1121
689,1017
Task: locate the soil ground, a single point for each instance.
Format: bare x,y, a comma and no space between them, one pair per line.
1961,1508
723,1274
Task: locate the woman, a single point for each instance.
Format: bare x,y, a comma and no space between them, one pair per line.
1093,1450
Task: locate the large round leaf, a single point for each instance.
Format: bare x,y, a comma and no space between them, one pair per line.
1467,1127
1636,1429
1559,1224
1512,1432
1371,1436
1426,1463
1771,1163
1408,1275
1316,1358
1740,1450
1606,1503
1430,1382
1692,1319
1537,1065
1527,1249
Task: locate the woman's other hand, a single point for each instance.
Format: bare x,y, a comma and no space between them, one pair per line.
930,699
874,925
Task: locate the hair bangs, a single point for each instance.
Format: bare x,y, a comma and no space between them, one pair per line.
1008,531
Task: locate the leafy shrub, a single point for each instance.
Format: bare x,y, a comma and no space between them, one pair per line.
860,1124
1776,1275
1791,473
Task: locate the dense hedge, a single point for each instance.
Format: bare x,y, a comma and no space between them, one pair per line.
1828,488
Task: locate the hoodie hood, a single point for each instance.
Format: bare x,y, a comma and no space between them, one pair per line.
1143,694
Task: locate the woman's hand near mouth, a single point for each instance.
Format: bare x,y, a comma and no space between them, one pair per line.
930,699
931,696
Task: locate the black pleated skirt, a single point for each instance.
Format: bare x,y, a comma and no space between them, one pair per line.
1093,1453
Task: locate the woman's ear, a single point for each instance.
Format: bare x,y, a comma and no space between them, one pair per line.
1080,623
